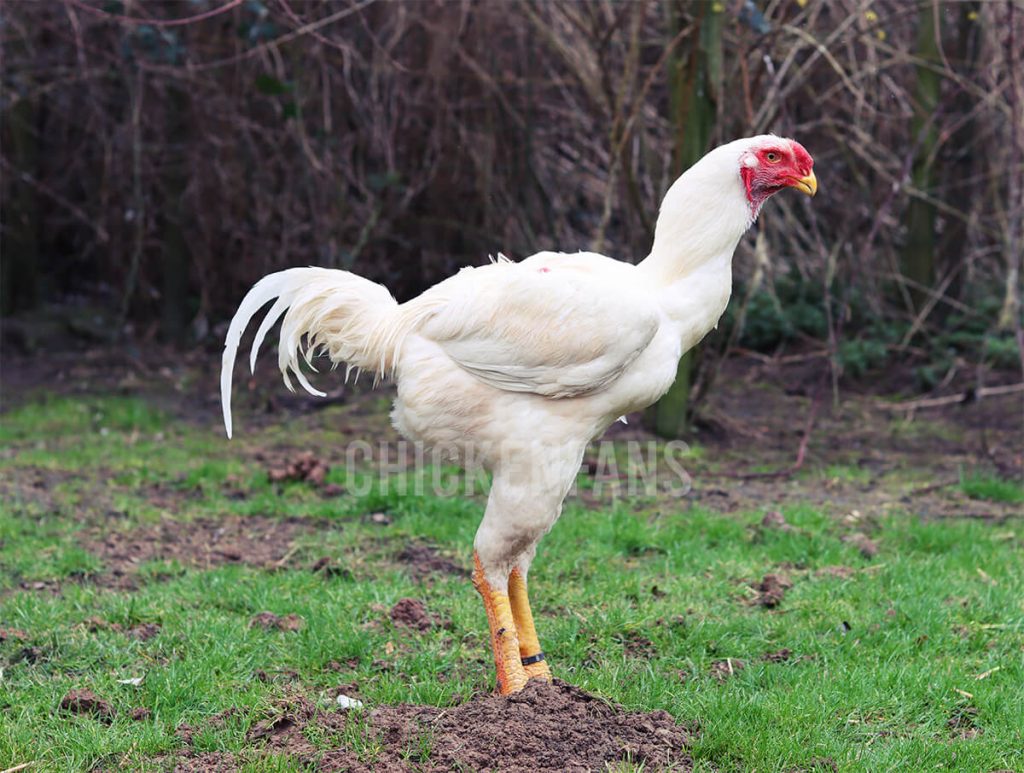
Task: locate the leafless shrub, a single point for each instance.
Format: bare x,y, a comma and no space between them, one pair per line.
173,153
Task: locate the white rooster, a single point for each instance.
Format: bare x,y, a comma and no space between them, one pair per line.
521,365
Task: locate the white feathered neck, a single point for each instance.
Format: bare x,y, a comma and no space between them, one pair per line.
704,214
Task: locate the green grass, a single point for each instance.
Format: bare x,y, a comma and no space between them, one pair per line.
61,416
843,472
634,602
992,488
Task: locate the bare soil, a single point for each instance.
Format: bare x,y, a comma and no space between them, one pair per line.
254,540
423,560
761,410
546,727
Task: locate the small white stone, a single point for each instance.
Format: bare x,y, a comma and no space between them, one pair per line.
347,703
134,681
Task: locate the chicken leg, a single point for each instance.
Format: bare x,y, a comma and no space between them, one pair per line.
530,653
512,676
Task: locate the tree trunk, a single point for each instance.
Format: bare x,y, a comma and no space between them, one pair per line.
174,259
694,78
1010,314
959,160
919,250
19,285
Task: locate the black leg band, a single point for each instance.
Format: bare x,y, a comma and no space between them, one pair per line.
533,659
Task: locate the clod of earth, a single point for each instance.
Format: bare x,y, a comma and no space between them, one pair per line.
334,665
50,585
723,669
280,674
140,713
411,613
673,623
325,567
636,645
775,520
545,728
772,589
424,560
93,624
12,633
303,468
87,702
963,723
867,546
778,656
144,631
29,655
268,621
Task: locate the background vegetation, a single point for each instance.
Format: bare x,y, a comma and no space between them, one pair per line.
159,157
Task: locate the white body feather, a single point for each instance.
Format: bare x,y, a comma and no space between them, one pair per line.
520,365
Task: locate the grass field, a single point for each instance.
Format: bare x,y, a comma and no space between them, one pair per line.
902,653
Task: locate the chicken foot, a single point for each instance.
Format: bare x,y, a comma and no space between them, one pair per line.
512,676
530,653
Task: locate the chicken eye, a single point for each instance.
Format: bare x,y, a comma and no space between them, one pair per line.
772,157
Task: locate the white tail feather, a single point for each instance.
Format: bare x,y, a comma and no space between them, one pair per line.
279,308
353,319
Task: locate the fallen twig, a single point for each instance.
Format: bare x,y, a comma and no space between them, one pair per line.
284,559
988,673
785,359
934,487
969,396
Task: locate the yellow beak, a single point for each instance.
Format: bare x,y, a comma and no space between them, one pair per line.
808,184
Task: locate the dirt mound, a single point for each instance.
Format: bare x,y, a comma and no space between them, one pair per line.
411,613
257,541
87,702
546,727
